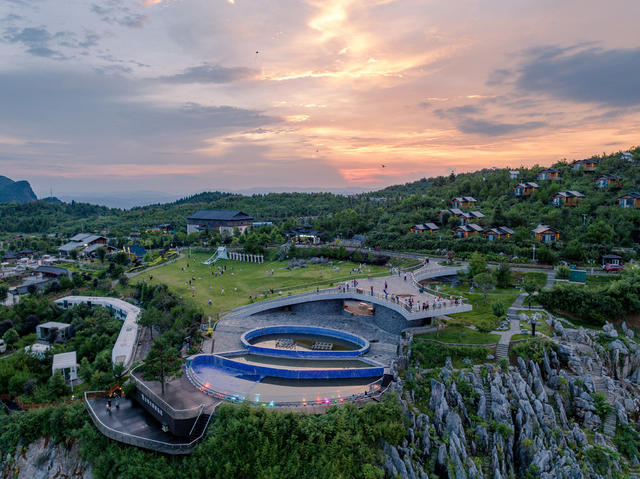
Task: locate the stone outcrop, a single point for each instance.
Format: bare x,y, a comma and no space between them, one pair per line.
43,459
541,416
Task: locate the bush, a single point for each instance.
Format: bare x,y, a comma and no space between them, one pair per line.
432,355
562,272
532,349
627,441
601,404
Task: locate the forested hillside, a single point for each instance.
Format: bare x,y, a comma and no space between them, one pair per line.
386,216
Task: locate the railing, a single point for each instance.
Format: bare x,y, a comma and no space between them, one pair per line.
359,294
139,441
175,413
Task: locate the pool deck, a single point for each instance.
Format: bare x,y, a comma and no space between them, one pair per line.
383,347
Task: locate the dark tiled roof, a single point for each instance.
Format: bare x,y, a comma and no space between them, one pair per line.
219,215
55,270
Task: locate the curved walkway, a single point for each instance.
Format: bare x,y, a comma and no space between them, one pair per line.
123,349
409,313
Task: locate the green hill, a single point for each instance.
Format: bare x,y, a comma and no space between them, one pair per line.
15,191
595,226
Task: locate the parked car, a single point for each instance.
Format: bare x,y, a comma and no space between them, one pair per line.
613,267
3,346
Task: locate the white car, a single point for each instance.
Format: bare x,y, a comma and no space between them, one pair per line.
3,346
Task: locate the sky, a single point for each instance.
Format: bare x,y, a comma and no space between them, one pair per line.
182,96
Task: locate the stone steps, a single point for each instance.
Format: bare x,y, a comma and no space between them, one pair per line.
609,427
486,463
502,351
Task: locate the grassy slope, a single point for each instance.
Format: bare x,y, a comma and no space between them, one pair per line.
481,310
250,279
462,335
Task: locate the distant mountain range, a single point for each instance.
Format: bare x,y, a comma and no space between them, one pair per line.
15,191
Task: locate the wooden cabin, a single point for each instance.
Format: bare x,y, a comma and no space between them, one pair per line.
630,200
546,234
567,198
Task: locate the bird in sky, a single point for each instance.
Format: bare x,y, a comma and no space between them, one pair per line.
384,166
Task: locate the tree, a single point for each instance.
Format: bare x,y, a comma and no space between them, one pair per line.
11,337
599,232
451,255
477,265
123,280
530,287
162,362
4,291
101,253
484,282
497,309
57,385
150,317
503,274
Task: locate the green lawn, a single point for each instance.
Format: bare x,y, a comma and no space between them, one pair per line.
481,311
462,335
541,326
242,280
601,279
539,278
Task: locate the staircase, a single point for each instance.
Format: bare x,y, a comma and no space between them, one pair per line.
610,421
502,351
486,463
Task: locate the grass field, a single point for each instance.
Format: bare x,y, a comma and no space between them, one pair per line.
242,280
457,333
481,311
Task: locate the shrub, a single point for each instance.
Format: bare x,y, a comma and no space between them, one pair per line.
601,404
432,355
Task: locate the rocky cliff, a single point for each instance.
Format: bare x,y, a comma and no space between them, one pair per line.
43,459
558,416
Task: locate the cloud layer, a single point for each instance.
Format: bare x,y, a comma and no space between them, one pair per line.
186,96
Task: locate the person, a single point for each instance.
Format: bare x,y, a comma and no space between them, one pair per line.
405,276
109,406
117,402
533,326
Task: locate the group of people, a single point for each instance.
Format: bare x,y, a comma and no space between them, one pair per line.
117,403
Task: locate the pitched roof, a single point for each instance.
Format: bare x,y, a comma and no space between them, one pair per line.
55,270
477,214
542,228
582,162
80,237
219,215
609,177
633,194
469,228
569,194
467,199
432,226
528,184
506,230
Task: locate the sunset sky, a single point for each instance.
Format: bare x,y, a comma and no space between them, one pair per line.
192,95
